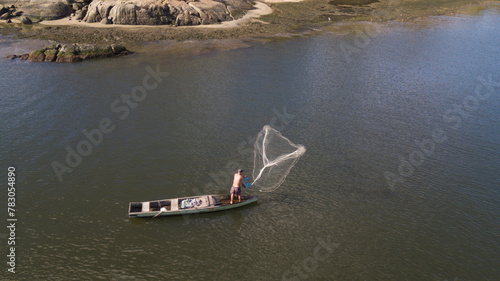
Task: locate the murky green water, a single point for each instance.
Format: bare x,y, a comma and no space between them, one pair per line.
400,180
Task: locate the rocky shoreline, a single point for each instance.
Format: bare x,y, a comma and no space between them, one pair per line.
178,13
9,12
105,22
131,12
72,53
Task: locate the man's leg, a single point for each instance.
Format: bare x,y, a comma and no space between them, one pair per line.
232,195
239,198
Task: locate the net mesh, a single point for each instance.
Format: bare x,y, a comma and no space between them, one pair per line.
275,156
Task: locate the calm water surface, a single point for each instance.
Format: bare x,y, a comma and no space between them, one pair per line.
366,201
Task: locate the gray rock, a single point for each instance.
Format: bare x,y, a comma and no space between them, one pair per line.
25,20
80,14
5,16
77,6
157,12
187,18
68,2
124,14
106,21
51,52
37,56
68,48
68,53
133,12
118,49
73,53
211,11
3,10
154,15
98,10
44,9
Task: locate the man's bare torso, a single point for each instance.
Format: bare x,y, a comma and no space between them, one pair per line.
238,180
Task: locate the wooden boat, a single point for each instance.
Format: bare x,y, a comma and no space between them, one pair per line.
187,205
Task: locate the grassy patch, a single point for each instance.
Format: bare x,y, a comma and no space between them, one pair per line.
39,52
237,13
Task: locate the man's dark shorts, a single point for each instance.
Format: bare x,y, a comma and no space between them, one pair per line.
236,190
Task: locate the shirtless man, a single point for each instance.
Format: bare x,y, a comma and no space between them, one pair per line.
238,180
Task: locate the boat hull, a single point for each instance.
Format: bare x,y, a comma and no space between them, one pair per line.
187,205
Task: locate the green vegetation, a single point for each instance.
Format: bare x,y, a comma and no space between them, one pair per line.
237,13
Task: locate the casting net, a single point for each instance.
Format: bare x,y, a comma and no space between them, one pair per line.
274,157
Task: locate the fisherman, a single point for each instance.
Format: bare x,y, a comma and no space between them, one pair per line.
237,181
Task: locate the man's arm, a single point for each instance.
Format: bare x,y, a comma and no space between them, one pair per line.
242,181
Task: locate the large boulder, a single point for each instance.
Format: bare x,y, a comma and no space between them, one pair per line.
90,51
80,14
153,15
73,53
37,56
106,21
97,11
25,20
51,52
5,16
131,12
124,13
3,9
211,11
128,13
42,9
68,53
157,12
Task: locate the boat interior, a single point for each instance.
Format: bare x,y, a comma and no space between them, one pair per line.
184,203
